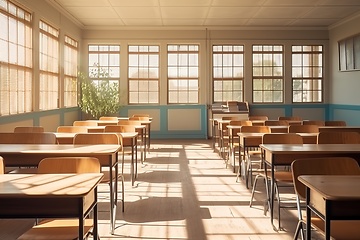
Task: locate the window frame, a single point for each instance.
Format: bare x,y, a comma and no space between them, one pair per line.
223,80
178,50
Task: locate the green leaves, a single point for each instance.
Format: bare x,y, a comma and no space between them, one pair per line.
99,97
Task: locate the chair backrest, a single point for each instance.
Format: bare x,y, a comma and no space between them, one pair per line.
28,129
282,138
230,118
28,138
129,122
85,123
72,129
303,129
141,115
258,118
276,123
338,137
2,167
294,118
139,118
240,123
255,129
335,123
97,138
120,128
106,118
314,122
321,166
69,165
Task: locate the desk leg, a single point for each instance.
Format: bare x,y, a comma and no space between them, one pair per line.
308,215
95,211
272,191
113,192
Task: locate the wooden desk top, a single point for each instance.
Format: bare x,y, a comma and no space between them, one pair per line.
100,149
331,187
48,185
311,148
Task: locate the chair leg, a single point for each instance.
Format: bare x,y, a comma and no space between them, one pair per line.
299,229
253,189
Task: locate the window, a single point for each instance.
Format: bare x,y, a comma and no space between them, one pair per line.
104,63
15,59
349,52
228,73
49,67
268,77
143,74
307,73
183,73
70,72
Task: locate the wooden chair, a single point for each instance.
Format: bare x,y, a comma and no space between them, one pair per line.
125,142
276,123
324,166
85,123
62,228
338,138
282,178
314,122
72,129
303,129
106,118
28,129
252,156
104,138
291,118
234,138
335,123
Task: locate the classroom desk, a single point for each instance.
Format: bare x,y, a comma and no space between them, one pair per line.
37,195
253,140
285,154
29,155
129,139
331,198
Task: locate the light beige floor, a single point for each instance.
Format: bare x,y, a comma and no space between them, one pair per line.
183,191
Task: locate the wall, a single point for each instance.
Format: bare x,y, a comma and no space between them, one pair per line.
344,91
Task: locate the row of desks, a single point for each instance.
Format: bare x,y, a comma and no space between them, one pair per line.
13,187
284,154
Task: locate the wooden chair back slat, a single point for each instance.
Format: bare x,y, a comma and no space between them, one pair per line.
303,129
69,165
255,129
28,138
322,166
85,123
339,138
72,129
28,129
335,123
282,138
107,118
240,123
314,122
276,123
97,138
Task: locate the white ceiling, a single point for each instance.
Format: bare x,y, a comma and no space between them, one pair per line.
95,14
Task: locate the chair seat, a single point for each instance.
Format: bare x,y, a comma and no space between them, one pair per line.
59,229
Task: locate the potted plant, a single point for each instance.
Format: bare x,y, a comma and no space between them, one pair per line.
99,97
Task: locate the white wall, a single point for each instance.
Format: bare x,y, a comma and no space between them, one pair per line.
344,85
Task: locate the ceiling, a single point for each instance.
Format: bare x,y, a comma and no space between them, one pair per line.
95,14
